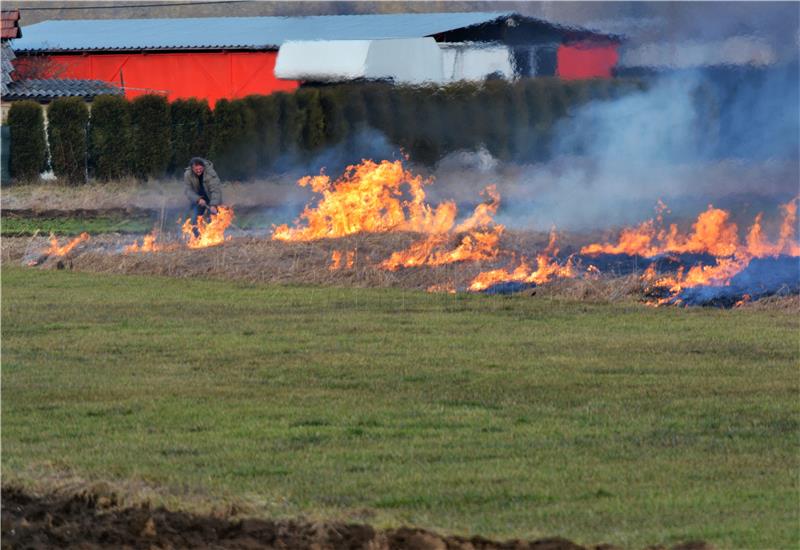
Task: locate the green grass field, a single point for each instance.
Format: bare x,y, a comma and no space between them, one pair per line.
15,227
499,416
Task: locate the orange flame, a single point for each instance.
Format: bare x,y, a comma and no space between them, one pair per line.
56,250
337,263
209,233
368,197
148,245
713,232
547,269
715,235
481,241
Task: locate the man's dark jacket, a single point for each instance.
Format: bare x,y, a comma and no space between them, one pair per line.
210,182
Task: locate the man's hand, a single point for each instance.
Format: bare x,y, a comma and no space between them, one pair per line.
201,201
212,209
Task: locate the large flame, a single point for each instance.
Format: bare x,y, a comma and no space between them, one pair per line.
480,240
208,233
547,269
731,256
713,233
56,250
369,197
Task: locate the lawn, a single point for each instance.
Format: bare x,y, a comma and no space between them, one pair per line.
22,226
500,416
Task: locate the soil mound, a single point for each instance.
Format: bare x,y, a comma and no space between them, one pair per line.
93,518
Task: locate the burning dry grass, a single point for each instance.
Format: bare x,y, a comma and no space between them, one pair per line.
258,260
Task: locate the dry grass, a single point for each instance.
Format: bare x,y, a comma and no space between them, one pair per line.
132,194
260,260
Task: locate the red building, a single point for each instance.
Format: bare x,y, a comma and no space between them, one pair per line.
233,57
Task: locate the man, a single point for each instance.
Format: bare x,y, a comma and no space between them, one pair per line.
202,187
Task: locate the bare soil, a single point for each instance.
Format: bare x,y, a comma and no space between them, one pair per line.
93,518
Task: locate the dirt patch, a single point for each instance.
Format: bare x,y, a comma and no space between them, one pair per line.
93,518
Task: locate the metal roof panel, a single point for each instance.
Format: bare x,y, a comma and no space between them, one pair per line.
237,32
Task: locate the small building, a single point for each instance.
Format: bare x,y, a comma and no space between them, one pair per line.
232,57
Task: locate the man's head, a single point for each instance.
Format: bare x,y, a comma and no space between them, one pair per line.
198,166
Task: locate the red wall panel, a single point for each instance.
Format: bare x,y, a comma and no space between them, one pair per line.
586,61
209,75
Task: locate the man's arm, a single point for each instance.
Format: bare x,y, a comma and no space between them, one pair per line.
213,188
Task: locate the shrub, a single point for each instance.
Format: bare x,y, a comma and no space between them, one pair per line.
378,106
150,136
313,133
28,155
67,125
191,132
234,140
266,110
291,122
109,137
332,102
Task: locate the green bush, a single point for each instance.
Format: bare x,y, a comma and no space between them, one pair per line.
191,132
67,125
291,122
332,103
234,140
266,110
28,155
150,136
313,133
109,137
378,106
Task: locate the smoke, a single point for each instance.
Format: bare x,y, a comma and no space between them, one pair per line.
722,136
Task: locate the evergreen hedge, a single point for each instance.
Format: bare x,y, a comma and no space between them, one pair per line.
191,132
266,110
234,140
109,138
67,129
150,136
28,156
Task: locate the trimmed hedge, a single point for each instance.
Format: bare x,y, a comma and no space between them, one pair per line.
67,129
28,157
109,138
234,140
266,110
191,132
150,136
246,138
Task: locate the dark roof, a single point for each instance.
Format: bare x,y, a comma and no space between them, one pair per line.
7,67
10,24
250,32
53,88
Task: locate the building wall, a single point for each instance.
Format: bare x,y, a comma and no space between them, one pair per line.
208,75
578,61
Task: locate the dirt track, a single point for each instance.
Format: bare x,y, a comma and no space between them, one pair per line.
93,519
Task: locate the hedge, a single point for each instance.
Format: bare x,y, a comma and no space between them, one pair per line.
28,156
67,129
191,132
150,136
234,140
246,138
109,138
